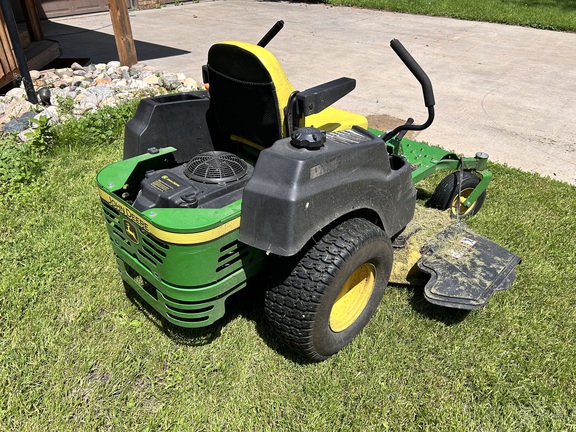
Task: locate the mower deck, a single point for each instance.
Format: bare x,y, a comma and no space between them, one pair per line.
427,159
465,268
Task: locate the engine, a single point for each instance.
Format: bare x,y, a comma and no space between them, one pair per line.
209,180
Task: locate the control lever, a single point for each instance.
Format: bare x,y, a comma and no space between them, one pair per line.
421,76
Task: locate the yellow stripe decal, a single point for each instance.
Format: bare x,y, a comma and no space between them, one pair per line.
169,237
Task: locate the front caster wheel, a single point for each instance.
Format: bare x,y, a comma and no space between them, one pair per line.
333,290
445,195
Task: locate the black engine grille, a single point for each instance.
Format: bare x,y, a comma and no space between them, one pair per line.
216,167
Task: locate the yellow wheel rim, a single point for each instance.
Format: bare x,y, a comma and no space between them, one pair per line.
353,297
464,211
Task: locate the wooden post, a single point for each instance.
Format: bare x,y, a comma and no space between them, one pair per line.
32,21
122,32
18,50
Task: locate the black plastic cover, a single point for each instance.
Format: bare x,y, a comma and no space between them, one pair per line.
178,120
295,192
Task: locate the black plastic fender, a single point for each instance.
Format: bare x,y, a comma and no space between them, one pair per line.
295,191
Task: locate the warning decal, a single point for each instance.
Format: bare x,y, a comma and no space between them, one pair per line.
165,183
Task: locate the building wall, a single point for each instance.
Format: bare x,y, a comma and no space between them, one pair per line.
152,4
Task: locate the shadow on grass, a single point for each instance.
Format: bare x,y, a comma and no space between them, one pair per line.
180,335
249,304
423,195
447,316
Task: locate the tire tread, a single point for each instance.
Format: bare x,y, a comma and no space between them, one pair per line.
292,305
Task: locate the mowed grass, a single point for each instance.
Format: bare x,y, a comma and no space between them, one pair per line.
78,353
545,14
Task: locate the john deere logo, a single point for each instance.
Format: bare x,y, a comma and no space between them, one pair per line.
130,231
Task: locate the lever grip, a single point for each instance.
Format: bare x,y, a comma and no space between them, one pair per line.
271,33
416,70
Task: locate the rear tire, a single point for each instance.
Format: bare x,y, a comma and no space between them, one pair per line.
333,291
445,195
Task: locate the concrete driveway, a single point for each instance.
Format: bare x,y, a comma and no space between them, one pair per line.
508,91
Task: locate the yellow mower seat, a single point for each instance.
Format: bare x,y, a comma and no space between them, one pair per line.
249,93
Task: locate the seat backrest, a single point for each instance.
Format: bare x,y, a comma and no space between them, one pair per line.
248,91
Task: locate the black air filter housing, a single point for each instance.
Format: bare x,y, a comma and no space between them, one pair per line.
208,180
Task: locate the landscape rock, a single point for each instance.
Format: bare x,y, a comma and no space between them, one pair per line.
103,81
77,90
24,135
19,124
51,113
16,93
15,109
151,80
190,83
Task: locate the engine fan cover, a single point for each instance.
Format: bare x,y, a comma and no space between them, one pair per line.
216,167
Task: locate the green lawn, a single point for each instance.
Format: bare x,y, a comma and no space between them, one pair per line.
547,14
76,353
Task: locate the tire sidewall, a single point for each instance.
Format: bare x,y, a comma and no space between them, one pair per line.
447,190
377,251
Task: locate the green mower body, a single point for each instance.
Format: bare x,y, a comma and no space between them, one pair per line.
183,262
186,261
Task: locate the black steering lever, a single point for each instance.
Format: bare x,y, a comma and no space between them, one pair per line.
421,76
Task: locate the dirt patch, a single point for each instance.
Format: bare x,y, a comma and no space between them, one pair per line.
384,122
